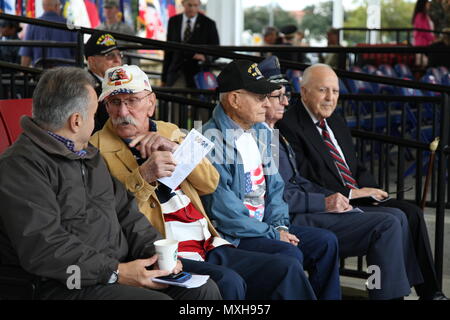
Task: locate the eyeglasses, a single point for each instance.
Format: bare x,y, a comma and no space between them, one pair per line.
282,96
112,55
258,96
132,102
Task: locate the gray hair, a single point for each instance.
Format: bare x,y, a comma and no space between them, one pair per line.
307,72
60,93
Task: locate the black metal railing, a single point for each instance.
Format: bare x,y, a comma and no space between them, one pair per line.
376,144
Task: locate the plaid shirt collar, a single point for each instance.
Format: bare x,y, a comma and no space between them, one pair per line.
68,143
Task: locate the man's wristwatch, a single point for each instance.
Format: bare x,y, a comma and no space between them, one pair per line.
114,277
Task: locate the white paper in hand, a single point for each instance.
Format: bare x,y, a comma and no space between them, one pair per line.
187,156
194,282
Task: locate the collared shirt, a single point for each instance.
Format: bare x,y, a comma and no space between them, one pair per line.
68,143
48,34
184,23
332,137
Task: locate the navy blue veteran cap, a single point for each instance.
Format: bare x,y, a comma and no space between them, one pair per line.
100,43
270,68
244,74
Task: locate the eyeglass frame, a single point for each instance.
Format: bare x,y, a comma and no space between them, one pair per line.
127,102
281,96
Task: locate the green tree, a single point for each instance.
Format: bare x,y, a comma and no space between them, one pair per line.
257,18
394,14
317,20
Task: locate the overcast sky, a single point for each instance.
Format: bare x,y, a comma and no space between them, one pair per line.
290,4
300,4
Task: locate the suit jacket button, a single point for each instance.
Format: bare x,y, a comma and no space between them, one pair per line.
152,205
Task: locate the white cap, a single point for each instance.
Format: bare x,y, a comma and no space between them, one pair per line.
124,79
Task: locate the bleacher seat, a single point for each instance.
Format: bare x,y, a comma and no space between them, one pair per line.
388,70
205,80
295,78
430,78
443,71
436,73
403,71
370,69
445,80
342,87
4,137
358,86
11,111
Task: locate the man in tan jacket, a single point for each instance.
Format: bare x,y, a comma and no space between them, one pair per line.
138,151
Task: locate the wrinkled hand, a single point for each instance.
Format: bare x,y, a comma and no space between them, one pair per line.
160,164
149,142
135,274
367,192
288,237
337,202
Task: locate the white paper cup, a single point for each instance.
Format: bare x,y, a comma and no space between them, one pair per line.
167,251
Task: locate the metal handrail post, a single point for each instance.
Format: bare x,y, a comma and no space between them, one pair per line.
442,171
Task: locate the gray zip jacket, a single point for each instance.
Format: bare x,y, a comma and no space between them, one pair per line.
59,209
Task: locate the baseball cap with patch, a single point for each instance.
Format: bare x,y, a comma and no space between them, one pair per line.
124,79
100,43
270,68
244,74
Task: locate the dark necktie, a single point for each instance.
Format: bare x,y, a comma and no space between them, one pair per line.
343,169
188,31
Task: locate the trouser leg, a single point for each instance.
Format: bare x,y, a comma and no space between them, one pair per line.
378,236
421,244
284,279
321,254
231,285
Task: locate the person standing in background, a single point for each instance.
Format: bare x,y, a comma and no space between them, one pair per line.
36,55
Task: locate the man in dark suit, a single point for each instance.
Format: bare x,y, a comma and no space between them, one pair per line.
326,155
193,28
377,234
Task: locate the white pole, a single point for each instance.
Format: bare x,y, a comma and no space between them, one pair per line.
373,19
229,18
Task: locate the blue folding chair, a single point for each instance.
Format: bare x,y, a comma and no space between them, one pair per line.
387,70
403,71
205,80
295,78
370,69
432,73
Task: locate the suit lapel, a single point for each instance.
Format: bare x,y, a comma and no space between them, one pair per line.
196,29
178,25
311,133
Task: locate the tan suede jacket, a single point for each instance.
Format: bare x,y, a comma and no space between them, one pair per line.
122,165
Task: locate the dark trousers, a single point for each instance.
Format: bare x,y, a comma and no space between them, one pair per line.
317,252
421,245
251,275
54,290
378,236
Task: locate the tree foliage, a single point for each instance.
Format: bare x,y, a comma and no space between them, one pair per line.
257,18
394,14
317,20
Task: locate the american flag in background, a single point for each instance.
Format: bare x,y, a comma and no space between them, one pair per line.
151,16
